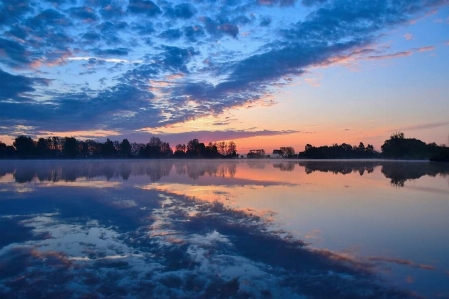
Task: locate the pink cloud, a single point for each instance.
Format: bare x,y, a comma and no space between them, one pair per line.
388,56
425,49
408,36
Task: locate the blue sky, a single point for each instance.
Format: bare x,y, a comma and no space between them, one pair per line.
284,72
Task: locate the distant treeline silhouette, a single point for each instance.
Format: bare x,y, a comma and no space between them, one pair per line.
24,147
396,147
342,151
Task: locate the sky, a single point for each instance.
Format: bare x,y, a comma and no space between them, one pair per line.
263,73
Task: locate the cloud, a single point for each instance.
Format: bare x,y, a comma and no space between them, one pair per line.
229,29
181,11
104,110
408,36
148,42
12,10
221,27
86,14
402,262
265,21
175,58
91,36
14,87
401,54
424,126
277,2
144,7
388,56
112,10
112,52
194,33
171,34
15,54
425,49
48,18
314,82
313,2
92,60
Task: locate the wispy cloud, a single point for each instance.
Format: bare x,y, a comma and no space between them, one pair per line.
424,126
389,56
401,54
425,49
402,262
112,60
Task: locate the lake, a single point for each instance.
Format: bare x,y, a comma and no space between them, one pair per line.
224,229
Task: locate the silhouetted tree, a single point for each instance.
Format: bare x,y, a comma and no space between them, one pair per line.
83,148
25,146
180,150
42,147
256,153
70,147
231,150
55,145
406,148
222,147
166,150
152,149
211,151
361,147
137,149
2,150
108,149
287,151
194,148
125,148
343,151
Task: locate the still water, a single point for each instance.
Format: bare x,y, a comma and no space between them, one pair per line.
224,229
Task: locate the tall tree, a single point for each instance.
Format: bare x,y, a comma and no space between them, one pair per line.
231,149
25,146
153,148
70,147
222,147
43,147
125,148
166,150
180,150
2,149
108,149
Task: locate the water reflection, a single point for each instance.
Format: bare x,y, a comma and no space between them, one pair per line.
337,167
399,173
70,171
145,233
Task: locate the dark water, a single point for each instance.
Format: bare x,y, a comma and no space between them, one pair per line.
224,229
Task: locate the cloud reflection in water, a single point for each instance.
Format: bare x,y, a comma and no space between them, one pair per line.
140,236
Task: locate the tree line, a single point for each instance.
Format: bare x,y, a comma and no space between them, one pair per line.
396,147
24,147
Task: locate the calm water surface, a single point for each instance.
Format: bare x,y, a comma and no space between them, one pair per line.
224,229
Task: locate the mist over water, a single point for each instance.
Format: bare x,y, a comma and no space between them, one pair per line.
224,229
